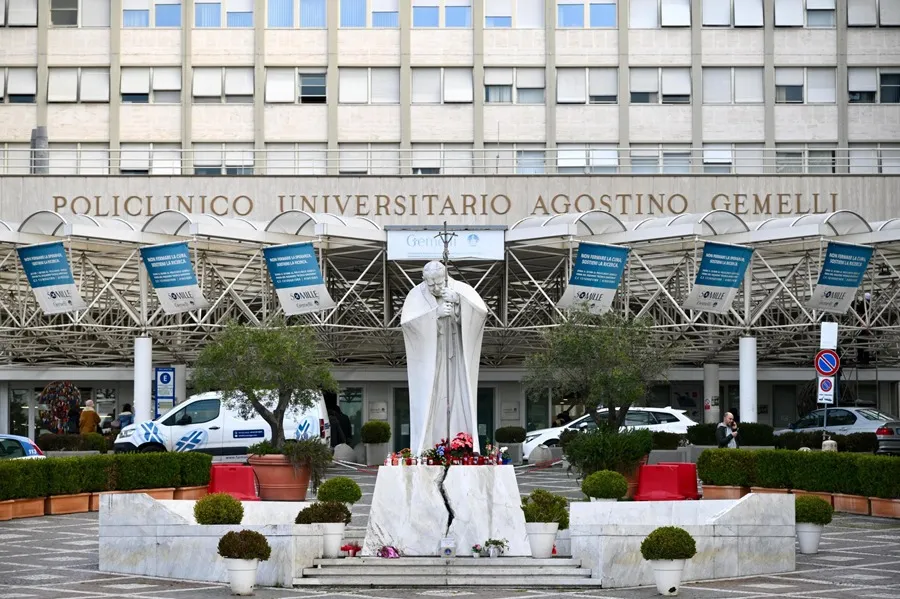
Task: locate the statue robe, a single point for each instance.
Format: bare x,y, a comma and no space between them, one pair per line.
425,338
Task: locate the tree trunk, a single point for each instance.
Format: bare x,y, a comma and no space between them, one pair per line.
275,419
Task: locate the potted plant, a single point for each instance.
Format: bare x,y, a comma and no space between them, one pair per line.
513,437
666,548
270,371
812,514
333,516
242,552
605,485
285,474
496,547
218,509
341,489
545,514
351,549
376,434
477,549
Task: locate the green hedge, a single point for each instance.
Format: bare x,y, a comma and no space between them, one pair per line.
666,441
855,442
88,442
749,433
26,479
824,471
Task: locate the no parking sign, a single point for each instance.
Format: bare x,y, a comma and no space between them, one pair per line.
826,390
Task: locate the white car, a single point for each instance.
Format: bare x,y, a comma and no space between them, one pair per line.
667,420
203,423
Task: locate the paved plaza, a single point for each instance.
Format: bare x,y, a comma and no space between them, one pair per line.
55,557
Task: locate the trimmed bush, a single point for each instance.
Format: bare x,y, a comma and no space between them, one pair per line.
879,476
509,434
702,434
775,468
65,476
88,442
375,431
195,469
218,508
341,489
666,441
148,471
23,479
324,512
566,436
826,471
810,509
750,434
544,506
668,542
605,484
727,467
244,544
602,449
100,472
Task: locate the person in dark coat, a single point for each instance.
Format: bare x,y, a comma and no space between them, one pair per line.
727,432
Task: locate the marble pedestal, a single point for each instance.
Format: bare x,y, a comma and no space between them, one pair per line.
745,537
411,509
145,537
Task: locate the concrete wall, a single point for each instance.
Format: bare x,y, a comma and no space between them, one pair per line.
417,200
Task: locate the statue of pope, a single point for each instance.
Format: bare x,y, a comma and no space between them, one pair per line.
443,324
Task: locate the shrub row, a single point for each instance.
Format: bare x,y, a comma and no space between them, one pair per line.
855,442
27,479
88,442
751,433
825,471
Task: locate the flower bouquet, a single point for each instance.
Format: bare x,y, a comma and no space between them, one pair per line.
351,549
496,547
476,550
389,552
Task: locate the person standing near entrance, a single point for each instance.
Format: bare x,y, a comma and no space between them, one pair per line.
89,420
727,432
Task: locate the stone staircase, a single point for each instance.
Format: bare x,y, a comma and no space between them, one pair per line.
363,572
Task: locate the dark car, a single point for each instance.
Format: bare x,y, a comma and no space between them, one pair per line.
889,437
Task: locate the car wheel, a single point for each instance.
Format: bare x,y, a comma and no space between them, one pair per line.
152,449
551,443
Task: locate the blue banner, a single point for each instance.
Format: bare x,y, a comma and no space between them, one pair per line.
719,277
172,276
595,277
842,273
294,270
47,268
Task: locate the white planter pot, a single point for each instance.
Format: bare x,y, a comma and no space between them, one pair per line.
241,575
808,535
332,535
667,574
541,537
475,554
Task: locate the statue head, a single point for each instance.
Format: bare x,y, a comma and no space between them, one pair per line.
435,275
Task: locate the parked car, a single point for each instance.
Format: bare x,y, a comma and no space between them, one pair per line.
889,437
841,421
667,420
14,447
203,423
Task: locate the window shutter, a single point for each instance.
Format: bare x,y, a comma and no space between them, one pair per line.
134,157
426,156
862,79
571,86
717,154
676,82
644,14
747,13
207,155
498,8
62,85
788,76
95,85
93,160
717,12
457,159
280,86
135,80
820,4
167,78
135,4
385,5
861,12
603,82
22,81
63,159
530,78
890,12
748,85
354,158
23,13
644,80
458,85
95,13
426,86
238,155
386,86
353,86
604,156
239,6
207,82
498,76
165,161
571,156
530,14
676,13
238,81
789,13
821,86
716,86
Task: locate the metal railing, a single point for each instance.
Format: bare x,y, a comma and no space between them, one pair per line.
160,159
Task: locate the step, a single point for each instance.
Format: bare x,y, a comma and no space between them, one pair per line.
494,570
416,580
468,562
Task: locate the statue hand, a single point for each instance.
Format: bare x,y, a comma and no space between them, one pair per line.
449,296
446,310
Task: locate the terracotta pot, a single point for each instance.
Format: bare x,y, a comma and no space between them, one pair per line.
67,504
191,492
6,510
885,508
766,490
852,504
724,492
278,479
27,508
95,502
826,496
168,493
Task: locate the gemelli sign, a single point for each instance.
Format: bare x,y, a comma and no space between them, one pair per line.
172,275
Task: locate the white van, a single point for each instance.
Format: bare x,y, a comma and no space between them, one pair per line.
203,423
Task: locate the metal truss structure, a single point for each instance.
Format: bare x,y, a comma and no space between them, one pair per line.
521,291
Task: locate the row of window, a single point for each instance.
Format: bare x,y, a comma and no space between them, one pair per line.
522,85
521,14
457,159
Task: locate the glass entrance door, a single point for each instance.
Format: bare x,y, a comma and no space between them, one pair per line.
400,430
485,415
18,412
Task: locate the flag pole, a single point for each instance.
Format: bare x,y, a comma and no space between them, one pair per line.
446,236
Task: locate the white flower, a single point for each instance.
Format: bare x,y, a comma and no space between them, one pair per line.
502,449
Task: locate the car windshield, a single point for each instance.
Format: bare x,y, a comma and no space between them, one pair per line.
874,415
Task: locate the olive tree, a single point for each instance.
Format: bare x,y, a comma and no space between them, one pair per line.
266,370
599,361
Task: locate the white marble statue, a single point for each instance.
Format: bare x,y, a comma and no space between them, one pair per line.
434,309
